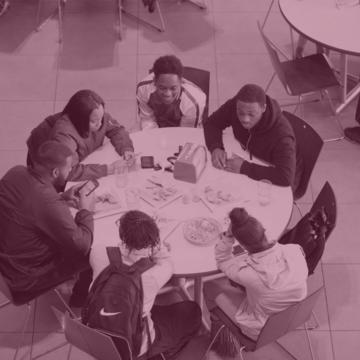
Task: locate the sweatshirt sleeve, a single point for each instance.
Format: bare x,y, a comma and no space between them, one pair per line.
118,135
229,264
146,114
281,172
70,236
79,171
214,126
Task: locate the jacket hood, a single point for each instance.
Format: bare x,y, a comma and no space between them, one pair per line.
269,266
270,117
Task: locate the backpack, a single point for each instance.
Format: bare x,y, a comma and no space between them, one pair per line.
115,301
311,233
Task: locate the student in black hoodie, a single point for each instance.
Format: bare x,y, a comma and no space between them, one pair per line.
262,130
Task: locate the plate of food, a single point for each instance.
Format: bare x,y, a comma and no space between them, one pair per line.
159,193
108,202
217,196
202,231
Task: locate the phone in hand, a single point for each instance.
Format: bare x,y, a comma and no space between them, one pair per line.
88,187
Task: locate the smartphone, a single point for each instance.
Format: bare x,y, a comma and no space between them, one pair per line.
147,162
89,186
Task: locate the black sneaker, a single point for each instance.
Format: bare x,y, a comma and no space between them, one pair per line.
353,133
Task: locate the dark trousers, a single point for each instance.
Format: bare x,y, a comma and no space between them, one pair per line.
62,272
175,325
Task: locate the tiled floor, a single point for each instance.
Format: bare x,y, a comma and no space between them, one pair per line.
37,77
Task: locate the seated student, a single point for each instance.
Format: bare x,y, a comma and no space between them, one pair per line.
270,276
166,99
82,126
258,124
171,326
41,244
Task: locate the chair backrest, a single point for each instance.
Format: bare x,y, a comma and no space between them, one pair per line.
94,342
327,199
308,146
201,78
274,58
287,320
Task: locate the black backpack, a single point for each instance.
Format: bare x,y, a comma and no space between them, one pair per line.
115,301
310,233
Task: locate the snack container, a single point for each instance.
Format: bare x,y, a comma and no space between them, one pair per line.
191,163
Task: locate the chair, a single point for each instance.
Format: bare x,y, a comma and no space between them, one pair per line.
121,11
4,288
58,11
276,326
201,78
309,145
303,76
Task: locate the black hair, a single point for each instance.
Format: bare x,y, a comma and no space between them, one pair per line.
168,64
251,93
79,109
247,230
52,154
138,230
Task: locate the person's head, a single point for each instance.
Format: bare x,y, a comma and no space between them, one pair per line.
55,160
85,110
138,231
168,72
250,105
247,231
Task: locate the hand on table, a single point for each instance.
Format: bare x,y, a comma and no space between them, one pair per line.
218,158
111,168
234,164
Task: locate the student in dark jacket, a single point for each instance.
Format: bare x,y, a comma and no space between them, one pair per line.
262,130
82,126
41,243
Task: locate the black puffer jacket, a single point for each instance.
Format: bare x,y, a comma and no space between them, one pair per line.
272,140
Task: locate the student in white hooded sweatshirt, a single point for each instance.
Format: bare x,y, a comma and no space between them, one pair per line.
267,278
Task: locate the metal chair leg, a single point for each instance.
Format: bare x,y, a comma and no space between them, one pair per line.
160,29
67,307
119,8
212,341
23,330
267,14
309,343
270,82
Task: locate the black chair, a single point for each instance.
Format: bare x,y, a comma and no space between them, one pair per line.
308,145
276,326
200,78
303,76
327,199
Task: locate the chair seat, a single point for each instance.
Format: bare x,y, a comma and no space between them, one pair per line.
308,74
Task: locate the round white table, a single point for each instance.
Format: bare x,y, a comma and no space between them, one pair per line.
189,260
330,24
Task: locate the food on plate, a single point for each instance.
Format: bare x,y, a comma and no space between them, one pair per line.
160,193
106,198
218,197
202,231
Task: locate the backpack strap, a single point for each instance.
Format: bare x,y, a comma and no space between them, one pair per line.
142,265
114,255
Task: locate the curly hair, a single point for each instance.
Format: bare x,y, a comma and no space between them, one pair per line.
79,109
251,93
138,230
168,64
